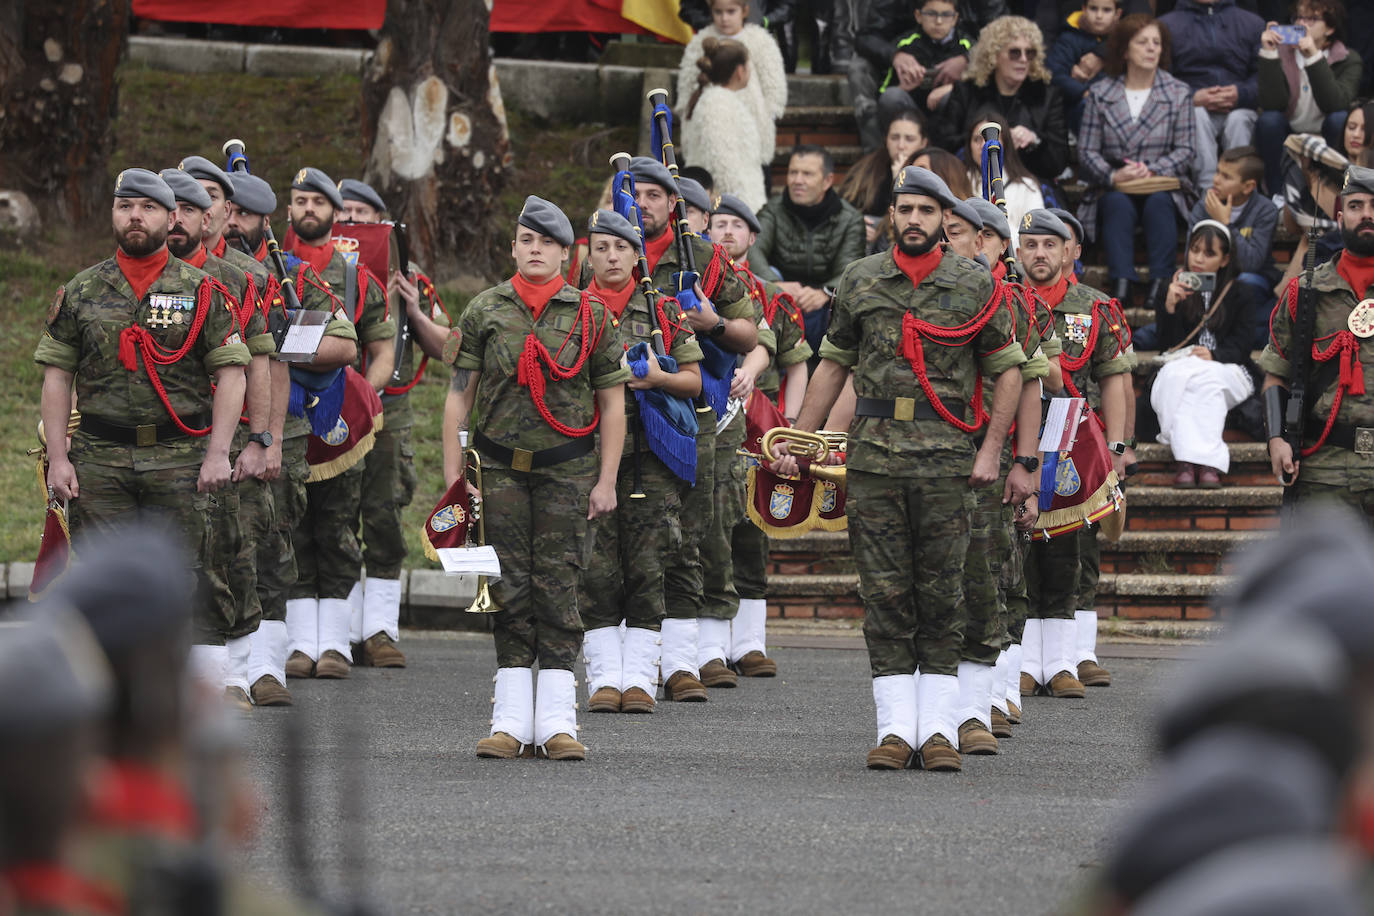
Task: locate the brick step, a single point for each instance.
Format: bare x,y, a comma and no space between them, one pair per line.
805,90
811,117
1249,466
814,597
1192,552
1158,595
1226,509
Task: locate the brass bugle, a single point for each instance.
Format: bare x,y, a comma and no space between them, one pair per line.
73,423
482,604
814,447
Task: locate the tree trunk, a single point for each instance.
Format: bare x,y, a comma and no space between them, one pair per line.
57,100
434,132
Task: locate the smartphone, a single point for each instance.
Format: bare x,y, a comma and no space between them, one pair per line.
1290,34
1198,282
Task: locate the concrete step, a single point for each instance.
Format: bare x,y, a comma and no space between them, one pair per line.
1145,360
811,597
1249,466
1154,595
1226,497
1180,551
806,90
808,116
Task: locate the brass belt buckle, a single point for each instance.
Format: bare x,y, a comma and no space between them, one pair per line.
145,435
521,459
904,409
1364,441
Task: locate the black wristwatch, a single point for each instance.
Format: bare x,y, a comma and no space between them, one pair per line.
263,438
1029,462
719,330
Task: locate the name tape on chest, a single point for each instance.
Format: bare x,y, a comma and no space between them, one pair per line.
166,310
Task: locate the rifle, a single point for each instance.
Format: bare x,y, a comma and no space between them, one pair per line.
1297,408
276,323
994,186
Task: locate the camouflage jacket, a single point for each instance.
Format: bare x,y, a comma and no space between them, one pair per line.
399,414
494,327
371,316
865,335
785,328
637,325
83,337
1084,316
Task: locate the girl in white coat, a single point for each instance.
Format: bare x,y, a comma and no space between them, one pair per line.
721,132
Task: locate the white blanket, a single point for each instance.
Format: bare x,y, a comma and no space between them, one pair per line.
1191,397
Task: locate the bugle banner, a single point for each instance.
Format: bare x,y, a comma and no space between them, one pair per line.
1078,485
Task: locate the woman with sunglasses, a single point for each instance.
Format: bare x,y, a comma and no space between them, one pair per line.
1007,72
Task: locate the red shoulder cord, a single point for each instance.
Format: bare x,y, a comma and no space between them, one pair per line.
914,330
428,291
136,340
308,274
669,328
528,370
1071,364
1341,343
715,270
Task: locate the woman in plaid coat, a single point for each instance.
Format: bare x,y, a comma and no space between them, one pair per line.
1137,124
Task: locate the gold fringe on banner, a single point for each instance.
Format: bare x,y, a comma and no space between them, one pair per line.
336,466
1107,499
770,526
839,522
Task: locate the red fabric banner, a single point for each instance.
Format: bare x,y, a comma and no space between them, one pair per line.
293,14
560,16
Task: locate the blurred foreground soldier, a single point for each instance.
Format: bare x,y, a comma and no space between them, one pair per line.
541,366
158,359
54,689
1338,443
916,327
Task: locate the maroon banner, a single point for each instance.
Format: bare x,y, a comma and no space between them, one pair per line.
291,14
560,16
352,436
448,524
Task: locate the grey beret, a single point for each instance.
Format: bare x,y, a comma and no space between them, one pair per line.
916,180
993,217
143,183
643,168
310,179
186,188
52,674
1358,180
1069,220
362,192
543,217
254,194
609,222
200,167
1043,222
968,214
694,194
729,203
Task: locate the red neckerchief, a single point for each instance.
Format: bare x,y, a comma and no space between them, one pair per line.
198,257
219,247
1358,272
615,300
142,272
655,248
1072,278
132,795
999,270
261,253
918,267
1053,295
48,886
317,256
536,295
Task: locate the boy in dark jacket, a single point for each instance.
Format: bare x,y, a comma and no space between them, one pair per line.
932,55
1076,58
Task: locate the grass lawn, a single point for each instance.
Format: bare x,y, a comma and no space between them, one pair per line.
284,123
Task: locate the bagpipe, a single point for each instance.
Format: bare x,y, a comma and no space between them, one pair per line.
994,186
277,322
55,547
791,506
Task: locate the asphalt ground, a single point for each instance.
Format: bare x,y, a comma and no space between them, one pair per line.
757,801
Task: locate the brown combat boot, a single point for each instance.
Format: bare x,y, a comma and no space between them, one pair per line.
636,700
715,673
299,665
1001,726
1091,674
380,651
332,666
237,698
563,747
683,687
268,691
1028,685
1013,713
502,746
974,738
892,754
756,664
939,755
606,699
1064,686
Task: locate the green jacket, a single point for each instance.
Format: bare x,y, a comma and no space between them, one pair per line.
1334,85
810,256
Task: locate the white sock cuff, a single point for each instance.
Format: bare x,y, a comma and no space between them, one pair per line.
381,608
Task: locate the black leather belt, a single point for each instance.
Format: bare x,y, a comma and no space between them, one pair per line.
903,409
520,459
1358,439
150,434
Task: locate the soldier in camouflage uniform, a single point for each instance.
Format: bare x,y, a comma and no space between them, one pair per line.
1338,464
147,450
636,543
1094,341
913,320
540,368
328,559
237,533
735,228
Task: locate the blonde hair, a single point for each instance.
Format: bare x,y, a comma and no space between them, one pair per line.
995,36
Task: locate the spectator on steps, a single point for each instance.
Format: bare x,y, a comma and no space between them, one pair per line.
868,183
1353,134
1234,202
1307,87
1007,72
948,166
1215,53
875,44
1138,124
928,61
1207,340
720,131
1021,189
808,234
1322,176
1075,60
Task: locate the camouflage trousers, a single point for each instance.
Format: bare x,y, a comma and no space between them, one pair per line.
251,525
1361,499
910,537
537,521
113,498
750,548
1089,568
634,547
1052,577
388,485
328,559
983,631
277,570
721,600
1012,583
683,586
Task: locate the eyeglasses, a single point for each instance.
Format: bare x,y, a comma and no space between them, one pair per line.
1027,53
939,15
